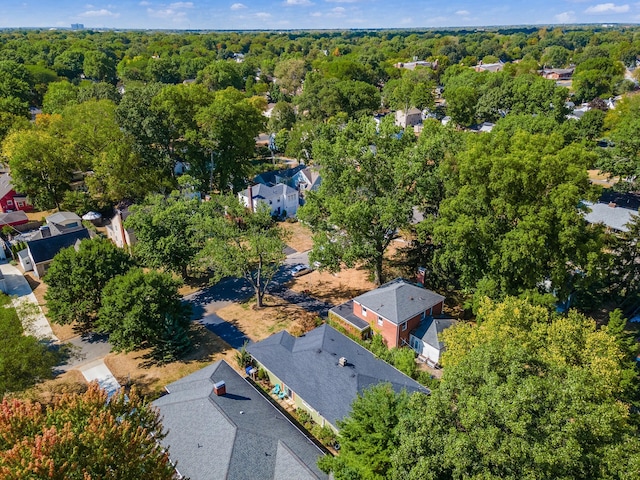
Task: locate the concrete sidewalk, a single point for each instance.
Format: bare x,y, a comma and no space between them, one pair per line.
25,303
99,372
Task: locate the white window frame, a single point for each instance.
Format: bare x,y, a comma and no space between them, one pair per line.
364,311
380,321
404,326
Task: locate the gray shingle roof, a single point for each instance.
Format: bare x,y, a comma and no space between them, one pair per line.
399,300
308,365
264,192
238,436
431,329
45,249
612,217
63,217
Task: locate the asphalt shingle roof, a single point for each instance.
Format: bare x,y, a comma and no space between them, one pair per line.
264,192
431,329
399,300
236,436
616,217
308,365
45,249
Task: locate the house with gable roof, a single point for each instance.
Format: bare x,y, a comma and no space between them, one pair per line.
324,371
281,199
10,201
220,426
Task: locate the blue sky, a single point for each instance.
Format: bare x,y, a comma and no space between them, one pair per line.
304,14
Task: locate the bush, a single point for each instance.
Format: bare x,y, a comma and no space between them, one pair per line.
262,374
325,434
243,358
304,417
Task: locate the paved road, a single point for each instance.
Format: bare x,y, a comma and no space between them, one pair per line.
85,349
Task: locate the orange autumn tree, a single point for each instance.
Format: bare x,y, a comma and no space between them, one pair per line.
82,436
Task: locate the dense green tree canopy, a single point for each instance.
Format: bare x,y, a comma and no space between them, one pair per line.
369,435
520,381
511,214
166,232
142,310
75,280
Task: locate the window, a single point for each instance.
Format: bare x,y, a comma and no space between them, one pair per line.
364,312
9,202
380,321
404,326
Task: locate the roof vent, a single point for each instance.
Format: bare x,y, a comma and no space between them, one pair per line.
219,388
342,362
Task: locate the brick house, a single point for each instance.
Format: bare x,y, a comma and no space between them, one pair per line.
10,201
392,310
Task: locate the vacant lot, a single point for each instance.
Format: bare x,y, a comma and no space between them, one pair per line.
258,324
300,238
135,368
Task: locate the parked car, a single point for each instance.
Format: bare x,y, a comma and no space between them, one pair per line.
300,270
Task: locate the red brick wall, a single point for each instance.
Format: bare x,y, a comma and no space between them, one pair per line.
357,311
437,310
412,323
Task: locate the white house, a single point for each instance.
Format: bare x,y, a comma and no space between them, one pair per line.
282,199
412,117
426,340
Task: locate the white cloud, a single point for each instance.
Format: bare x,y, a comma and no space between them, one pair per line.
463,13
181,5
336,12
238,6
144,4
342,1
565,17
99,13
607,8
173,11
296,3
263,15
316,14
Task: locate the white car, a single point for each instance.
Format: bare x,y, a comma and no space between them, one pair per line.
300,270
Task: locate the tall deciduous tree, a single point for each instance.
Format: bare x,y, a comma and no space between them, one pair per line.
524,395
369,435
166,232
229,126
141,310
41,165
244,244
512,217
81,437
75,280
363,199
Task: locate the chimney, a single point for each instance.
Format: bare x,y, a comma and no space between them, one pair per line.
342,362
45,231
219,388
251,198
